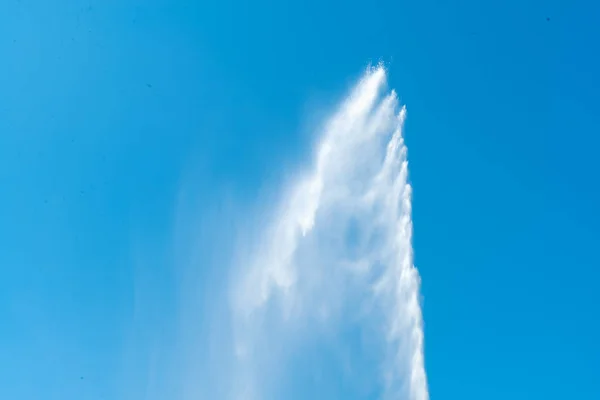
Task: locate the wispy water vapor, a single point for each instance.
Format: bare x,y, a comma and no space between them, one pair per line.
336,251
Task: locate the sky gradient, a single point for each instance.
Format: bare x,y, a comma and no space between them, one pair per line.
138,139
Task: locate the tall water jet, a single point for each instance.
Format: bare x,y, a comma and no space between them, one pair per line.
337,252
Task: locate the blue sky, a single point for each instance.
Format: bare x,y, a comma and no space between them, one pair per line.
136,137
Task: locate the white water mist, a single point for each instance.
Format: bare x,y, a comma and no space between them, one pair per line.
338,247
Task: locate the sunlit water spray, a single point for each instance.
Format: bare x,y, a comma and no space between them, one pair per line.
337,250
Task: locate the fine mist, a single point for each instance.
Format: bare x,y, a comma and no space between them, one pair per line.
335,256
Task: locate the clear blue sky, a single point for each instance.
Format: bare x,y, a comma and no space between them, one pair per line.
124,125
